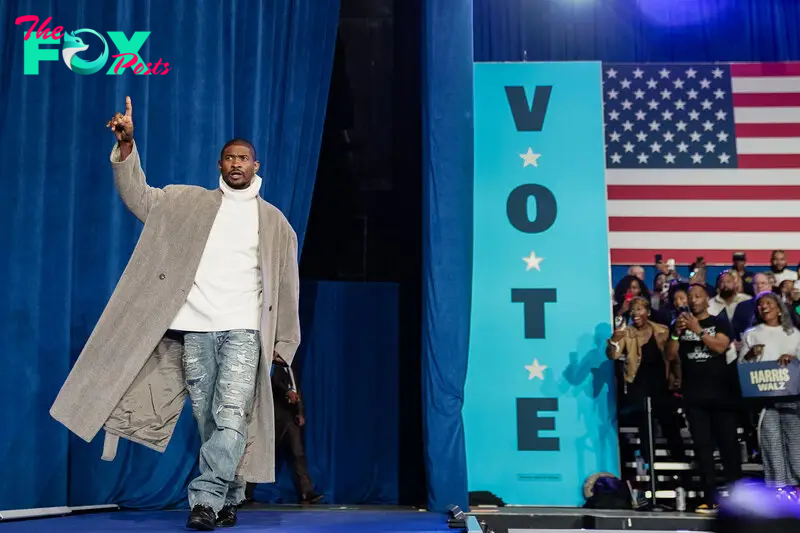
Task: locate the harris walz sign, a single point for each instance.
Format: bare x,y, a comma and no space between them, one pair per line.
769,379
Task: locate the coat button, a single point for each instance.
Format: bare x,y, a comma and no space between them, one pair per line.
270,308
161,276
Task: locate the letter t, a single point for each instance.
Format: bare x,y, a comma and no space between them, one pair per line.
533,301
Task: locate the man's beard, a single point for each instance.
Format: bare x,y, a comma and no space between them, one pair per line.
727,293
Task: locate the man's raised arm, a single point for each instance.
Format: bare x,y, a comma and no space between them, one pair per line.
137,195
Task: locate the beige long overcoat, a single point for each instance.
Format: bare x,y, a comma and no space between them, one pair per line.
129,378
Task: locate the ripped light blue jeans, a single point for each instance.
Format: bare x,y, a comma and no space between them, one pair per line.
221,369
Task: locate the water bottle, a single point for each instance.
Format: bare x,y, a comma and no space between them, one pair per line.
641,470
680,499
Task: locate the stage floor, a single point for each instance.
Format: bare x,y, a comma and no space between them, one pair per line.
293,520
514,519
371,519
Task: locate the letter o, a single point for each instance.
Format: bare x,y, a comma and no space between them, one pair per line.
517,208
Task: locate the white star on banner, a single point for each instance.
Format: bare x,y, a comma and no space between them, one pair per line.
533,262
536,370
530,158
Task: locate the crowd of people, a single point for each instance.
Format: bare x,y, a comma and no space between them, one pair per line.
680,341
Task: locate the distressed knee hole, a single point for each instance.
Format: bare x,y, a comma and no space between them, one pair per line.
235,411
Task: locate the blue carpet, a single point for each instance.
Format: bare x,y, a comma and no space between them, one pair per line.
288,521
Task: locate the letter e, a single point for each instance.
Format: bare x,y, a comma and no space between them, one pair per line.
529,424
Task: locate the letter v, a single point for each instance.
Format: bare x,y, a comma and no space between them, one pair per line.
528,118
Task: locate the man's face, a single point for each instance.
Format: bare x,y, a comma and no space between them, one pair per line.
778,261
740,265
238,166
698,300
761,283
637,271
727,285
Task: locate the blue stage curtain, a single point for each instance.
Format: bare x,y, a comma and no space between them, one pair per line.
637,30
447,242
257,69
347,368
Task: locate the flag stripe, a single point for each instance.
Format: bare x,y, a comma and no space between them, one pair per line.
701,241
761,115
703,192
671,208
769,161
691,176
627,256
695,224
766,100
755,70
781,84
776,146
767,130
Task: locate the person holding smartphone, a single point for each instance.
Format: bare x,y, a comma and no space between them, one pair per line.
699,341
647,373
774,338
628,288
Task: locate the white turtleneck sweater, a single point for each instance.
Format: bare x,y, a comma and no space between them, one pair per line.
227,291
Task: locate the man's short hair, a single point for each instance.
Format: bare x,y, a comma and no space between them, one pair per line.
769,275
726,272
239,142
704,286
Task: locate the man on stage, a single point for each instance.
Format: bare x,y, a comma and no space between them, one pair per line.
290,417
209,297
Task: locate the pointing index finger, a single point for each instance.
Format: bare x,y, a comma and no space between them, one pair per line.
128,106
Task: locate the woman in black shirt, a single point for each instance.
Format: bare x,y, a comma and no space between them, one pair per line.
647,373
701,341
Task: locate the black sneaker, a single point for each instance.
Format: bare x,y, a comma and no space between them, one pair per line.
202,518
227,516
311,499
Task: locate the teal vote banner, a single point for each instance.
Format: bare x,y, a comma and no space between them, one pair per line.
539,408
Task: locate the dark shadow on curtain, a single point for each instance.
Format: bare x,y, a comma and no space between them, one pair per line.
347,368
248,68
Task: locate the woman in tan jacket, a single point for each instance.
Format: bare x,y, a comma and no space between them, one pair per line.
648,372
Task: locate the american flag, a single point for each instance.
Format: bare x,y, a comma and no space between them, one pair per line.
702,160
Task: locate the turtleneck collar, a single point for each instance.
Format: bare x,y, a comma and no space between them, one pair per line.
241,195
